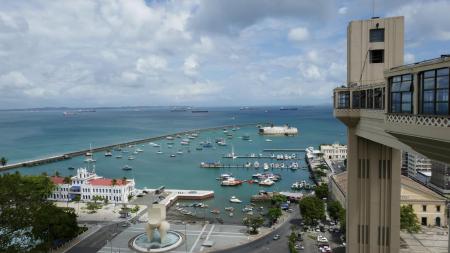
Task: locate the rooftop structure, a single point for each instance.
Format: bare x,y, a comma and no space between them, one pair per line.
334,152
387,107
87,184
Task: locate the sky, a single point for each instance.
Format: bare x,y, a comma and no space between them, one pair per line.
192,52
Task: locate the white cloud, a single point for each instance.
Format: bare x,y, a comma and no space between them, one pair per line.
190,66
298,34
151,64
343,10
14,80
409,58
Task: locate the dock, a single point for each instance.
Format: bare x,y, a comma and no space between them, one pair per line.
259,157
70,155
175,195
285,150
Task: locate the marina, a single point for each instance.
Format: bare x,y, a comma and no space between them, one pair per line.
158,161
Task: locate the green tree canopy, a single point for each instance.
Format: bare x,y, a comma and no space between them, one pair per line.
336,211
3,161
408,219
253,222
321,191
274,213
312,209
28,221
278,199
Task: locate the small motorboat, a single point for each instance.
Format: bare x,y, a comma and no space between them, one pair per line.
119,156
159,152
233,199
108,153
131,157
172,155
127,167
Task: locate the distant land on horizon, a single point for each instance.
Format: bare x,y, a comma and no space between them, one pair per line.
59,108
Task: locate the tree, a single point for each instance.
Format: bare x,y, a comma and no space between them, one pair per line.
114,182
3,161
67,180
312,209
336,211
28,221
124,180
408,219
253,222
274,213
278,199
321,191
57,173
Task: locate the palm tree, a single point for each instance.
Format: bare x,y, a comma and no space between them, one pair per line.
3,161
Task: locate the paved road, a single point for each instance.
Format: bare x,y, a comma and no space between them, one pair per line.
266,243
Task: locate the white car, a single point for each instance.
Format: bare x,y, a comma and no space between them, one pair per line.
321,238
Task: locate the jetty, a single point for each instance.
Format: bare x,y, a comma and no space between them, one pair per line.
256,157
284,150
70,155
174,195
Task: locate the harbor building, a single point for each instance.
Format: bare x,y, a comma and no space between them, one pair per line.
87,184
427,204
334,152
387,107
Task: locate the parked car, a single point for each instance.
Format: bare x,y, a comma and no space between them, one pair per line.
276,237
321,238
299,246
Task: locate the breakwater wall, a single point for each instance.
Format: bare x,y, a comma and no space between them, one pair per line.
51,159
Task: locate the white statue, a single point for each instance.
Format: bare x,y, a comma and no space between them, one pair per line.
157,220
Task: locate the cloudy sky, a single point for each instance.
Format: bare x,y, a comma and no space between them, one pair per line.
192,52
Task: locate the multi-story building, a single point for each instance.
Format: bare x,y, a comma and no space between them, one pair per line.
427,204
334,152
387,107
87,184
440,177
416,163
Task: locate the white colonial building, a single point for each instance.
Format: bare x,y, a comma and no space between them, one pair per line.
87,184
334,152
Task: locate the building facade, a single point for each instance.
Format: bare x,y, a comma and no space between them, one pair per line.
387,107
416,163
334,152
427,204
86,184
440,178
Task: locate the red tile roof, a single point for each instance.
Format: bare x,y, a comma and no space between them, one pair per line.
57,180
106,182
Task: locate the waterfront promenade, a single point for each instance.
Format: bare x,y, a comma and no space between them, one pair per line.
56,158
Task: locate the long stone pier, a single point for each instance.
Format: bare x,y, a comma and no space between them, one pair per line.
69,155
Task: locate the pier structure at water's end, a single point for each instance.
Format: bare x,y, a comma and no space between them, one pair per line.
174,195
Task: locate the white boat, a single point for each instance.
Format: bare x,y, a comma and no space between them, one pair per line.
266,182
127,167
169,138
266,166
257,175
118,156
231,181
247,209
131,157
139,150
172,155
179,152
256,164
268,140
184,143
225,176
135,152
159,152
108,153
89,160
229,208
233,199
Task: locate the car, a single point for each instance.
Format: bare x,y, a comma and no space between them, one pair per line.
125,225
299,246
276,237
321,238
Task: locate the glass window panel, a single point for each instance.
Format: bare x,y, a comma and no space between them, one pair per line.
376,35
442,95
430,73
406,97
441,108
442,72
395,98
442,82
396,78
395,87
395,107
428,83
406,107
407,77
406,86
428,96
428,108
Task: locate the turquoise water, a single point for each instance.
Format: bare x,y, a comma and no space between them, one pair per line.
27,135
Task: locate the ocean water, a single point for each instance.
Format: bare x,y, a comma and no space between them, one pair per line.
27,135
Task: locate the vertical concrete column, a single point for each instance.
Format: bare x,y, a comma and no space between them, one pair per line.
373,209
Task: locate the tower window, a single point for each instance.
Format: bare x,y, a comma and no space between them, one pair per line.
376,56
376,35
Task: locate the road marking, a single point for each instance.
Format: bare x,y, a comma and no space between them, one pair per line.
207,237
198,238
